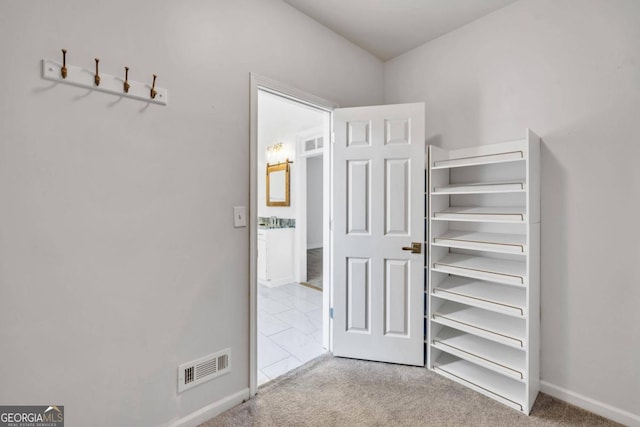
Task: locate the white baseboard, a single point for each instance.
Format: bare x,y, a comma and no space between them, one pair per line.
314,245
198,417
276,282
616,414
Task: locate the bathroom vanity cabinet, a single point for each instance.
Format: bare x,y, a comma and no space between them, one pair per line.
275,256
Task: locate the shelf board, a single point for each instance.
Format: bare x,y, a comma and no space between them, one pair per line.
516,214
504,360
483,323
491,242
516,186
490,296
486,159
483,268
505,390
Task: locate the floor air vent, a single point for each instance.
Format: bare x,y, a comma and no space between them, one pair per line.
204,369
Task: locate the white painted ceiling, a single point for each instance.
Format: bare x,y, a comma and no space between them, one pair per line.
388,28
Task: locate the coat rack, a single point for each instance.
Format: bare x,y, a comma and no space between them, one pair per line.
95,80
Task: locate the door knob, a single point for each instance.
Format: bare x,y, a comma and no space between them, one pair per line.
415,248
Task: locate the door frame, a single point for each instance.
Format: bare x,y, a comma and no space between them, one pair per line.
257,83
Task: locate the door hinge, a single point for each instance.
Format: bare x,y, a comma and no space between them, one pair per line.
333,137
331,225
331,313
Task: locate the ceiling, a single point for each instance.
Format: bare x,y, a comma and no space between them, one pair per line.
280,119
388,28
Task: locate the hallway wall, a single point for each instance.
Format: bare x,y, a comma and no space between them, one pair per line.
314,202
570,71
118,256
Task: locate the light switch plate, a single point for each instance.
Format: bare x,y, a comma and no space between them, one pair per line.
239,216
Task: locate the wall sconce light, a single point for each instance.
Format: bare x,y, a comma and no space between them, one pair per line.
277,153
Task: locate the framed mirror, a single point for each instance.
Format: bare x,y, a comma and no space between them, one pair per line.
278,184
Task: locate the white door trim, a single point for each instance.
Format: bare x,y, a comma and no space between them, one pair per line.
272,86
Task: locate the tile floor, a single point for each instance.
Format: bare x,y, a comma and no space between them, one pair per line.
289,328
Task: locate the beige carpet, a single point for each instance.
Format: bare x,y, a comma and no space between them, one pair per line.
332,391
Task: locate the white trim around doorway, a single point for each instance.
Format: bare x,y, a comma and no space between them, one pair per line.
268,85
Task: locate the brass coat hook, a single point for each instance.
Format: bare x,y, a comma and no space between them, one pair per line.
59,71
154,92
96,78
63,70
127,86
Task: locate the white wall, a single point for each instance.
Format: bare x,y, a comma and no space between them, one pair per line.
314,202
281,120
118,259
569,70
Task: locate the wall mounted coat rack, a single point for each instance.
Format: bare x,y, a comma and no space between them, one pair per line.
95,80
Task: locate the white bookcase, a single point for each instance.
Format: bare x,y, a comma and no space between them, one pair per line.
483,293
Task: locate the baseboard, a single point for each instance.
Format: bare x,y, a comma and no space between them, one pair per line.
616,414
314,245
276,282
198,417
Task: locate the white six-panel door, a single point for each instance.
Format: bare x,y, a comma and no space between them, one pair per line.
378,209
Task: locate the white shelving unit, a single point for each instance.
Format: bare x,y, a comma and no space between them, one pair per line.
483,292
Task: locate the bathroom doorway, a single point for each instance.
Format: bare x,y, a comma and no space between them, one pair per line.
292,299
314,221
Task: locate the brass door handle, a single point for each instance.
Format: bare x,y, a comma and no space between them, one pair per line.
415,248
